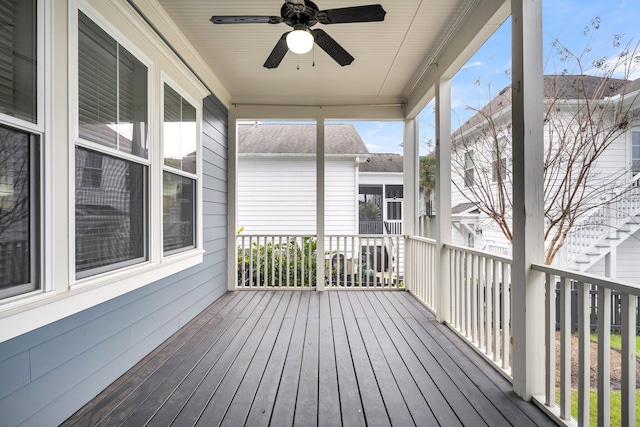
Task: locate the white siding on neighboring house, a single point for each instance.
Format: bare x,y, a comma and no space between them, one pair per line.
277,195
341,196
628,254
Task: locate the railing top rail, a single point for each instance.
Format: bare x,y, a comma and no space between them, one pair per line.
275,235
422,239
485,254
616,285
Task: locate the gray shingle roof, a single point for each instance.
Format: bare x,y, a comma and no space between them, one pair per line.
298,139
382,162
559,87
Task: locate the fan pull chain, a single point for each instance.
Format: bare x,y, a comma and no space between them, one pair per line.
313,53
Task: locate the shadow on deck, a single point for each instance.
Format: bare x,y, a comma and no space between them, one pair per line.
306,358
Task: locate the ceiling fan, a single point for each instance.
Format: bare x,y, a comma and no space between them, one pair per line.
301,15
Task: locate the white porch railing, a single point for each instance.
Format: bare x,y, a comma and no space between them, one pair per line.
605,308
290,261
480,295
420,269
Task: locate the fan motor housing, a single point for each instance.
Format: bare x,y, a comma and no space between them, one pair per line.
299,14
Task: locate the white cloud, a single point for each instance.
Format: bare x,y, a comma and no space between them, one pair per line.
372,132
621,70
472,64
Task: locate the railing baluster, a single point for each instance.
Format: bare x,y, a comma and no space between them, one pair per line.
495,288
565,349
628,331
273,261
506,315
604,362
584,367
550,335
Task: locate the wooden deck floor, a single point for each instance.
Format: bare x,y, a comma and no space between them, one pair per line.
306,358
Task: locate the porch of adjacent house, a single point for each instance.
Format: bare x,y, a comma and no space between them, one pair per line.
355,357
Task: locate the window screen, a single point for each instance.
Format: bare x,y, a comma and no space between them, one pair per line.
111,213
178,212
112,87
19,219
18,59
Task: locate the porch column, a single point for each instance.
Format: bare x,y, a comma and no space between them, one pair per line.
410,176
232,202
527,286
443,197
320,204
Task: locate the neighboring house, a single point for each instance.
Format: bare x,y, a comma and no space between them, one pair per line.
277,178
380,194
611,225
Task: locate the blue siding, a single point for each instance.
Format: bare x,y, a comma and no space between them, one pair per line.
48,374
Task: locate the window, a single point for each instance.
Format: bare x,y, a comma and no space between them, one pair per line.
18,59
468,169
19,149
471,240
370,209
19,218
111,185
113,92
394,195
635,152
179,179
500,160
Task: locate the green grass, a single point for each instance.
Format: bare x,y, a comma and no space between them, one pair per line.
616,406
616,342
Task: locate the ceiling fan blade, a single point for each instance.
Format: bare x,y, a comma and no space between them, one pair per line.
246,19
332,47
295,1
278,53
369,13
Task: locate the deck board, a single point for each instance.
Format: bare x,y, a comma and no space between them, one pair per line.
355,358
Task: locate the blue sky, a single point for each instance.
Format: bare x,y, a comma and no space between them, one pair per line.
488,71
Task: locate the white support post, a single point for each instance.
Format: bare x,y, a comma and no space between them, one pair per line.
232,202
410,176
528,290
443,198
320,204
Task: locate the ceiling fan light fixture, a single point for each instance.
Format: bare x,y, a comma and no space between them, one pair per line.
300,41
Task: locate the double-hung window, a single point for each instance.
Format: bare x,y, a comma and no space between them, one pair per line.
469,169
635,152
500,160
179,173
20,149
111,156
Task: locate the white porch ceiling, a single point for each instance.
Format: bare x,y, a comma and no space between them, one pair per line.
392,58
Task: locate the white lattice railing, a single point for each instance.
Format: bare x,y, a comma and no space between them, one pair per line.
288,261
603,220
625,307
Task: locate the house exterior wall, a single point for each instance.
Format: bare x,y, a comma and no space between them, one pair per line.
86,336
612,167
48,374
627,255
277,195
